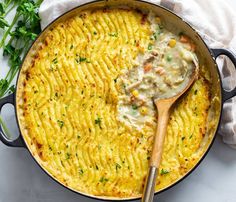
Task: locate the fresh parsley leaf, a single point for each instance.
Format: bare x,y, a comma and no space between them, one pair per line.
27,25
8,50
12,89
2,8
3,23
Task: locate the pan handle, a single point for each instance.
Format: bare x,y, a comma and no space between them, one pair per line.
220,51
12,143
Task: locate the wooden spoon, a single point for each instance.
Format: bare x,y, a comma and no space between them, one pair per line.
163,108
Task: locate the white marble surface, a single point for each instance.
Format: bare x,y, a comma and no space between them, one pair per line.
21,179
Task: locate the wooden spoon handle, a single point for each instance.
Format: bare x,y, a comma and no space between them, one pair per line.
163,117
155,160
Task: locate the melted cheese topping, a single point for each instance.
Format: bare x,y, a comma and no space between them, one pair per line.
69,108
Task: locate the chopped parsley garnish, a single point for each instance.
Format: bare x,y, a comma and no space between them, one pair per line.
95,33
98,121
81,59
182,138
81,171
60,123
68,155
103,180
190,136
164,172
118,166
55,61
71,46
195,92
113,34
78,136
97,167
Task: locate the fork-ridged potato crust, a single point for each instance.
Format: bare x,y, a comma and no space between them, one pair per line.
69,108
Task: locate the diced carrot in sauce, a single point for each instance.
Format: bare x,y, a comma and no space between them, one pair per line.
147,67
184,39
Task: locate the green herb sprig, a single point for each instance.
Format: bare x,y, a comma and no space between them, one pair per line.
15,43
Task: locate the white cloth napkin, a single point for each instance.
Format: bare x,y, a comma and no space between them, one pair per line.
214,20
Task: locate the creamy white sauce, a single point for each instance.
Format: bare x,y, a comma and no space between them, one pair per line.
161,72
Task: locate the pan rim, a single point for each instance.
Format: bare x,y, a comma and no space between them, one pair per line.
105,198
